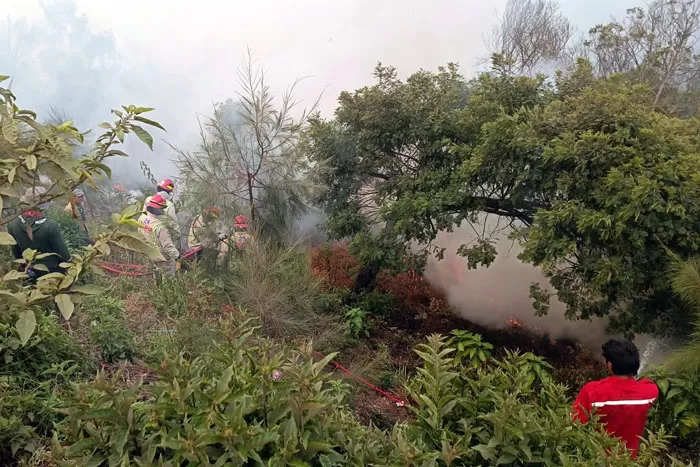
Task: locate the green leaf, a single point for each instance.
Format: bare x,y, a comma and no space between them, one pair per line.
31,162
9,130
14,275
118,113
11,175
143,136
117,152
142,110
4,78
26,324
130,242
65,305
105,125
131,211
6,238
149,122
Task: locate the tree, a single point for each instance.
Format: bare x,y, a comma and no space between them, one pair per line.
530,34
248,155
686,283
592,180
657,47
33,153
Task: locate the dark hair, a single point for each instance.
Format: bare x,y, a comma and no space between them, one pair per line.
623,356
154,211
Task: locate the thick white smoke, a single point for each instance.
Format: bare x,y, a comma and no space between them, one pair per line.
492,296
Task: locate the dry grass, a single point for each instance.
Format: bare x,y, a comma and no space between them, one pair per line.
276,285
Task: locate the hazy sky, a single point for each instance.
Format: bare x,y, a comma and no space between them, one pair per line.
184,55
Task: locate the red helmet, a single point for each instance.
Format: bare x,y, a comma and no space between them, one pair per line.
157,202
242,222
213,211
167,185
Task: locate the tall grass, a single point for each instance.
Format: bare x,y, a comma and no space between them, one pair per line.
275,284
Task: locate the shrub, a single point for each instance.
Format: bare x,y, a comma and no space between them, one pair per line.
29,409
108,329
73,232
510,412
225,409
49,345
275,284
356,322
378,303
678,407
334,265
170,296
471,349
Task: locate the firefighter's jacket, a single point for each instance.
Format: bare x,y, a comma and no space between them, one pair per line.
156,232
173,223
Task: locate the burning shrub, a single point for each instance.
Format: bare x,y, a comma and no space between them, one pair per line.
334,265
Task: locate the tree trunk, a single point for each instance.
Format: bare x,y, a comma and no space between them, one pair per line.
366,279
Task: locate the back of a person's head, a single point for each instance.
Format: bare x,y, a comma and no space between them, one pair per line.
623,356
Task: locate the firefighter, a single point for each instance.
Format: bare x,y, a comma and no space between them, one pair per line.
203,233
33,230
165,189
155,229
79,201
241,233
621,400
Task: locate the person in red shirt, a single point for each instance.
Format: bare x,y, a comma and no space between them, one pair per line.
621,401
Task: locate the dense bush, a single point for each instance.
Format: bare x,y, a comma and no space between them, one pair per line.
108,329
49,345
678,408
72,229
226,409
251,402
275,284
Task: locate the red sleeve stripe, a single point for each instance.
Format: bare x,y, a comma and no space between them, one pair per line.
628,402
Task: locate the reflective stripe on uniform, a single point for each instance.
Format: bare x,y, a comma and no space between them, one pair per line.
624,402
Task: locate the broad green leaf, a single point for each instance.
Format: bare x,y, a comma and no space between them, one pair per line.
40,267
116,152
142,110
130,242
149,122
29,113
6,238
120,135
65,305
11,175
31,162
105,125
5,295
131,211
9,130
4,78
143,136
53,275
14,276
26,324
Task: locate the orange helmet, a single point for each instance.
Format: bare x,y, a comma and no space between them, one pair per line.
167,185
157,202
242,222
213,211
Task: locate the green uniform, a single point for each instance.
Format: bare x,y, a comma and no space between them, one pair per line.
47,238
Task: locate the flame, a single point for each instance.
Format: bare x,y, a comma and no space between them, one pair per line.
513,322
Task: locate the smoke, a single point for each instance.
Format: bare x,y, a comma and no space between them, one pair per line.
492,296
